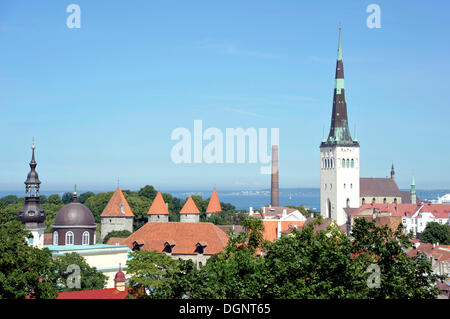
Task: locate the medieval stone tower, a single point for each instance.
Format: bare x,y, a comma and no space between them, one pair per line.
339,157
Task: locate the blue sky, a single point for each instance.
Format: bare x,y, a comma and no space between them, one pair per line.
103,100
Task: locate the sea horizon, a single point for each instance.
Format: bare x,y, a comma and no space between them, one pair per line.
243,199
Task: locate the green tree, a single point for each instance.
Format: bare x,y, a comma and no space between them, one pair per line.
85,196
436,233
140,206
24,270
150,271
54,199
116,233
90,277
7,200
97,204
148,192
67,197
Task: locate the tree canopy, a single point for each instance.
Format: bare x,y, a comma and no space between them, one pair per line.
436,233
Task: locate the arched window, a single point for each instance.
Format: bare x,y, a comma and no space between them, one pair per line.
384,200
344,185
395,200
351,186
348,202
69,238
348,163
373,200
353,163
343,162
55,238
363,201
85,240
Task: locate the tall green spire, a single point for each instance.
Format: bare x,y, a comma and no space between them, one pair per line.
339,56
413,186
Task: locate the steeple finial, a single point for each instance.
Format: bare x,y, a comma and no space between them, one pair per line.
392,171
75,194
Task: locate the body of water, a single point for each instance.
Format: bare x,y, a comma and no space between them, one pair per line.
310,197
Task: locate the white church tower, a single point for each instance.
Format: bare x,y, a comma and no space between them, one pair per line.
339,157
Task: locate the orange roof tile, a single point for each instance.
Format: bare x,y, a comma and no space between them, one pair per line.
184,237
117,206
115,240
158,207
190,207
107,293
214,203
270,228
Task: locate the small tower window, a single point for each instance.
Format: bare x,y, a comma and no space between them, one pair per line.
55,238
353,163
69,238
348,163
86,238
343,162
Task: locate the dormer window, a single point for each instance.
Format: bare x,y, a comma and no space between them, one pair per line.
200,247
137,245
168,247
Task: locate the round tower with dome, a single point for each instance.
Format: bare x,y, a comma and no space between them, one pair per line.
74,225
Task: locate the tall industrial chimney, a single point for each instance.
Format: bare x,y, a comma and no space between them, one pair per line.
274,198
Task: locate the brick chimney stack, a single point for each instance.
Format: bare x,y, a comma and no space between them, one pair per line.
274,198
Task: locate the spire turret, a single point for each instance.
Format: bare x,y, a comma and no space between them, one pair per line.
32,213
339,131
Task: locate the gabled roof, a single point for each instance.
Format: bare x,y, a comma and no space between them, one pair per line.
214,203
117,206
404,210
184,236
158,206
190,207
369,187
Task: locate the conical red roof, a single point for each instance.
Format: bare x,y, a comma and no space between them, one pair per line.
117,206
158,207
190,207
214,203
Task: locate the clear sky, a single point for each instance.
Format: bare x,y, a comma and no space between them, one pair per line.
103,100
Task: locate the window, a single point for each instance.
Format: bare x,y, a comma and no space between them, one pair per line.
351,186
348,202
85,238
200,264
343,162
395,200
384,200
344,185
353,163
69,238
55,238
363,201
30,240
373,200
348,163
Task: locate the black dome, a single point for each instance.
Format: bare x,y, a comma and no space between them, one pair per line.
32,211
74,214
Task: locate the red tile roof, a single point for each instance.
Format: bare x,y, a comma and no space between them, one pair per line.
158,206
440,252
107,293
270,228
115,240
190,207
117,206
214,203
378,187
407,210
153,236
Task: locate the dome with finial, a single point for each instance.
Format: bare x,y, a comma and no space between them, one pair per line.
74,214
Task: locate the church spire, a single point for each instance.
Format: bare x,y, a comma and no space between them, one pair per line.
392,171
339,131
